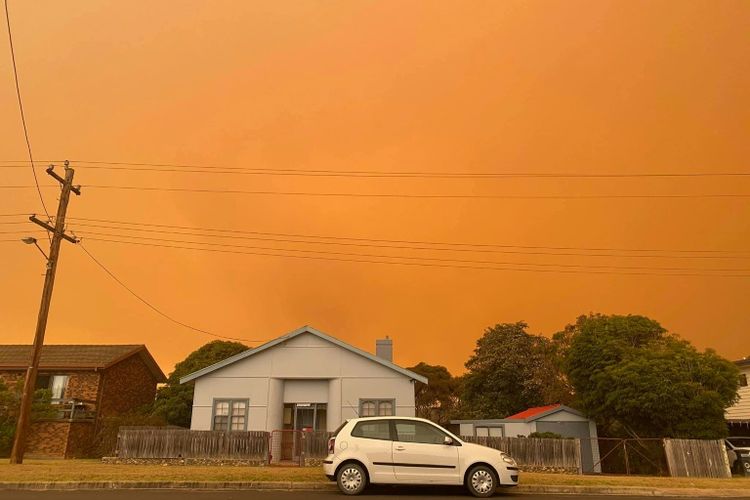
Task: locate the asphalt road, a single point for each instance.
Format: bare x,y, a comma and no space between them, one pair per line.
371,494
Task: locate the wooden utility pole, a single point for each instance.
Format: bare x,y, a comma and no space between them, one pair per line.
24,416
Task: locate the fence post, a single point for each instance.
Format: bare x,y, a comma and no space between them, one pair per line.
625,453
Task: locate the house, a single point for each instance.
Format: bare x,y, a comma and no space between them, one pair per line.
556,418
88,383
738,416
305,380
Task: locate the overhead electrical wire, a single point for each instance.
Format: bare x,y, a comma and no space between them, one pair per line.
482,248
20,106
437,259
418,264
402,195
194,168
153,307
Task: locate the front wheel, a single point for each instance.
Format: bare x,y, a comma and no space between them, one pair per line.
481,481
351,479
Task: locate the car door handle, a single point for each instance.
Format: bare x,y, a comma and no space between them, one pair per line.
400,448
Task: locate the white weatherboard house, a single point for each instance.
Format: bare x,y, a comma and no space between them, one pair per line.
738,416
304,380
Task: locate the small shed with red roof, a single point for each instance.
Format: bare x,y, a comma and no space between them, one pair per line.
556,418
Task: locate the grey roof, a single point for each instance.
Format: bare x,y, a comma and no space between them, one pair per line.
743,362
519,420
76,357
291,335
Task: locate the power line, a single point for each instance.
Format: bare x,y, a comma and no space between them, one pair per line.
502,249
20,107
406,195
422,258
154,308
418,242
193,168
419,264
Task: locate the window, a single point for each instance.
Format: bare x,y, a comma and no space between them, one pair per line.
377,429
376,407
55,383
418,432
230,415
489,431
743,380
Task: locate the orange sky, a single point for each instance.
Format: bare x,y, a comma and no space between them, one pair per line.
497,86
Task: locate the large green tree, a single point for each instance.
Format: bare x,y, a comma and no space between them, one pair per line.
511,370
437,400
174,401
635,378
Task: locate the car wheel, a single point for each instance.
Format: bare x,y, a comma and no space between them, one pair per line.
481,481
351,479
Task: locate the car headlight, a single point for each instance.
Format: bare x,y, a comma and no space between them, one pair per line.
509,460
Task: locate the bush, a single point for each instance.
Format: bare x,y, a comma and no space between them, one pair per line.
546,435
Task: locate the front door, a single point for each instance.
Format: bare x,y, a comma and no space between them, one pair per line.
421,456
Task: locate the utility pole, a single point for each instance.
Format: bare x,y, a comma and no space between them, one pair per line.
24,416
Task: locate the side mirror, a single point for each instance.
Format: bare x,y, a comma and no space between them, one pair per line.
448,441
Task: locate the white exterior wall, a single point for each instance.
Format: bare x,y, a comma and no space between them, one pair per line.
741,410
305,369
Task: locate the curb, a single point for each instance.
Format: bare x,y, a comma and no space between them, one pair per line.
314,486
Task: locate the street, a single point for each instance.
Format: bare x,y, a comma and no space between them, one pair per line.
374,493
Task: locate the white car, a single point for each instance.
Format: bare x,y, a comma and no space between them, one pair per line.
402,450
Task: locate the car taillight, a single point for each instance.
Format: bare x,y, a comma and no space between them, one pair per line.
331,445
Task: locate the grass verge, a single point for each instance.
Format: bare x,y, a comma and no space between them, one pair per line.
35,471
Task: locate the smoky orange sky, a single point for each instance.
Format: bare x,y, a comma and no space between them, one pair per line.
421,86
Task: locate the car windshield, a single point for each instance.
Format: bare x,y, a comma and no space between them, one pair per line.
740,442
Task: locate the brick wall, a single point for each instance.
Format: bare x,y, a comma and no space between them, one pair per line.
10,378
83,385
47,439
80,439
126,386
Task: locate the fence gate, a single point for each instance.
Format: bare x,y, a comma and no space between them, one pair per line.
294,447
697,458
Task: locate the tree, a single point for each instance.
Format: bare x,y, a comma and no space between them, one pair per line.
511,370
10,400
437,400
174,401
634,378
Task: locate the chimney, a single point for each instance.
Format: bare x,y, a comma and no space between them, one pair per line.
384,349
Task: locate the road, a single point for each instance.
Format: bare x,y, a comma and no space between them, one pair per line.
372,494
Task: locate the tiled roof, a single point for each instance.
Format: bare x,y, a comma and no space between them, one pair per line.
76,357
532,411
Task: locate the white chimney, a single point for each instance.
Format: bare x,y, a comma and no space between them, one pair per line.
384,348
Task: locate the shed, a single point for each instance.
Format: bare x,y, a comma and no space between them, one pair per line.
560,419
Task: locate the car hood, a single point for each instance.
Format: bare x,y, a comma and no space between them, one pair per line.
484,451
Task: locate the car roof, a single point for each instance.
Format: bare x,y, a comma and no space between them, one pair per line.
392,417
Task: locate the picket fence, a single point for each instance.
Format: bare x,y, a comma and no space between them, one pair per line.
185,443
543,453
697,458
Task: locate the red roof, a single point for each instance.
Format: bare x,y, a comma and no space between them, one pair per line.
533,411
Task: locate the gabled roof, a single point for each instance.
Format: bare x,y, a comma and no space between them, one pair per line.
531,412
526,416
291,335
76,357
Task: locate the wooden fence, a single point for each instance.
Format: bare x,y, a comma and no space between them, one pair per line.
184,443
536,452
697,458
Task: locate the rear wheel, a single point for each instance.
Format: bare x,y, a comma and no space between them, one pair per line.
351,479
481,481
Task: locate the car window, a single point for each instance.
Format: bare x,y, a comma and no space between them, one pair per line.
741,442
418,432
377,429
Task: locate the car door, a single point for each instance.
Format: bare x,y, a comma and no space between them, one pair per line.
372,443
420,454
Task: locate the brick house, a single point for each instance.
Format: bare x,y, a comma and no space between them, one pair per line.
88,383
